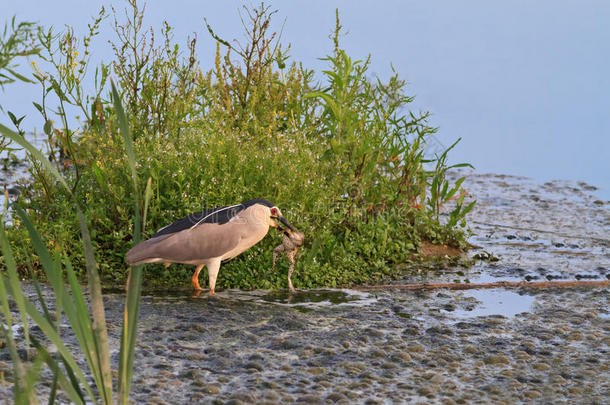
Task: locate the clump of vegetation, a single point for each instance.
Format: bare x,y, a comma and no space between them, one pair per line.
343,157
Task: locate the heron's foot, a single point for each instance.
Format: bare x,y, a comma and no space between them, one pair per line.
195,283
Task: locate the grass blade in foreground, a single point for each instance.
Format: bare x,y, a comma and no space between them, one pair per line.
134,280
100,333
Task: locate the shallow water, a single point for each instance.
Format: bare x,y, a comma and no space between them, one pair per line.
437,346
14,170
496,302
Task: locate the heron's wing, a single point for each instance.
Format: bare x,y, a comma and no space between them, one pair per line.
207,240
219,215
202,242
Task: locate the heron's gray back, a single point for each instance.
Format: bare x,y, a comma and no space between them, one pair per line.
203,242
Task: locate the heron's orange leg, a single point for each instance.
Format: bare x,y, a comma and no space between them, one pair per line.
195,278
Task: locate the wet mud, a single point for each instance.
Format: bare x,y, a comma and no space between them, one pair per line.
451,347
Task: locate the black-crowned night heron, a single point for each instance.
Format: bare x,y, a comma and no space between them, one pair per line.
208,237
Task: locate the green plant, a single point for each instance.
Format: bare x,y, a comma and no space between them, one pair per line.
17,40
441,190
89,329
343,157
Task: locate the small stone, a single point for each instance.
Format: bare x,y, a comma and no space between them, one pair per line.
541,366
576,335
532,394
507,373
316,370
405,356
388,366
254,365
424,391
470,349
493,389
521,355
309,399
335,397
378,354
497,359
416,349
436,379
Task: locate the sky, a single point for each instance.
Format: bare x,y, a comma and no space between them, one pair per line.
526,85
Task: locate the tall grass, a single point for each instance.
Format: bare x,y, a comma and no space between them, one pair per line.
89,326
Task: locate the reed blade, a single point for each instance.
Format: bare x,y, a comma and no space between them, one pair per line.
100,333
134,281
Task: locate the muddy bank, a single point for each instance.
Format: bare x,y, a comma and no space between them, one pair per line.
558,230
476,346
400,346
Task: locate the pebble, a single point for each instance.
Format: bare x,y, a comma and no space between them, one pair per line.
496,359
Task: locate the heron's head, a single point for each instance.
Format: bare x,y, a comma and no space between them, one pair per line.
275,215
269,213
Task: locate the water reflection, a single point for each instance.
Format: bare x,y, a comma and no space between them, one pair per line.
495,302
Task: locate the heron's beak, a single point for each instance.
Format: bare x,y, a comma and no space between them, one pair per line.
283,221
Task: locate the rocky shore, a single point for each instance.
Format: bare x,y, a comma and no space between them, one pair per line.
449,347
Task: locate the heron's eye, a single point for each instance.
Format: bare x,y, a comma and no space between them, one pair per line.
274,211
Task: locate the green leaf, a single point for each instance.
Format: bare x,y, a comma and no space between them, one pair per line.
468,208
12,117
48,127
461,165
147,196
57,88
19,76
